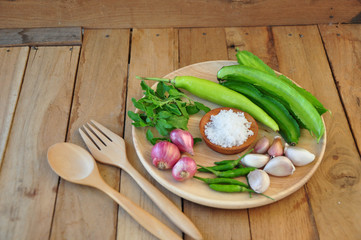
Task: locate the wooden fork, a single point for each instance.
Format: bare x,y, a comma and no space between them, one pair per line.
109,148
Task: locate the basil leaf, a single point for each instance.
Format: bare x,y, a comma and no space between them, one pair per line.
150,137
173,108
175,93
202,107
182,109
196,140
178,122
148,90
164,114
161,90
192,109
162,126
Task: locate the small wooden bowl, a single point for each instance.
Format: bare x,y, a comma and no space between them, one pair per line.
230,150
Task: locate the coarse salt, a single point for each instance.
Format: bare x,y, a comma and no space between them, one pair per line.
228,129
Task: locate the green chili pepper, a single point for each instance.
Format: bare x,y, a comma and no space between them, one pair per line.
233,188
222,181
220,95
230,173
223,162
229,188
227,165
300,106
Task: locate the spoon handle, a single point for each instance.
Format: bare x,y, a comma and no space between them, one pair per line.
164,204
145,219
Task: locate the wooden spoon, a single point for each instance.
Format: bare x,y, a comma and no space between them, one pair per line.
76,165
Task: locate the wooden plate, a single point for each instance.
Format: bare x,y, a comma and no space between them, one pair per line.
197,191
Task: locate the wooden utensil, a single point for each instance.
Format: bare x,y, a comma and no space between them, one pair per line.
228,150
109,148
76,165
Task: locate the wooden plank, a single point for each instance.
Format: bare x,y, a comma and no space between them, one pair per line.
154,52
82,212
197,45
12,67
40,36
201,44
27,184
174,13
343,46
334,189
273,221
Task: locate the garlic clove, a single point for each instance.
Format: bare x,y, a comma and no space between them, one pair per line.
255,160
258,180
299,156
262,145
280,166
276,148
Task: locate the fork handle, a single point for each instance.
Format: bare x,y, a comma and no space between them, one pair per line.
145,219
164,204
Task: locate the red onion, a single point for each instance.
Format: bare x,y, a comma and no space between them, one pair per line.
165,155
183,139
184,169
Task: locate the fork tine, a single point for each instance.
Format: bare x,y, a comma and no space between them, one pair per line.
105,130
88,142
93,137
103,138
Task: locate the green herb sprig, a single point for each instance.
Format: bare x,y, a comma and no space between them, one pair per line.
166,109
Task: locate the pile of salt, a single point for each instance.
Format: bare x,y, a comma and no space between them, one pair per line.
228,129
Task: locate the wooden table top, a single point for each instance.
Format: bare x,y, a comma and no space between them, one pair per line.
48,92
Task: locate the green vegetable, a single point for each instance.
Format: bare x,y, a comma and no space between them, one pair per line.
229,188
221,95
300,106
230,173
248,59
312,99
289,128
164,109
227,166
222,181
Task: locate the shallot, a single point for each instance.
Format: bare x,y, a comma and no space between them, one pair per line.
165,155
183,139
184,169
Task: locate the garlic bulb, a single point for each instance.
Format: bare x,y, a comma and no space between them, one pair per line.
258,180
299,156
262,145
255,160
280,166
276,148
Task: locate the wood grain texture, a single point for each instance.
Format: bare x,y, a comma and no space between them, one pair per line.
153,53
174,13
27,184
343,46
197,45
40,36
12,68
334,189
289,218
82,212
